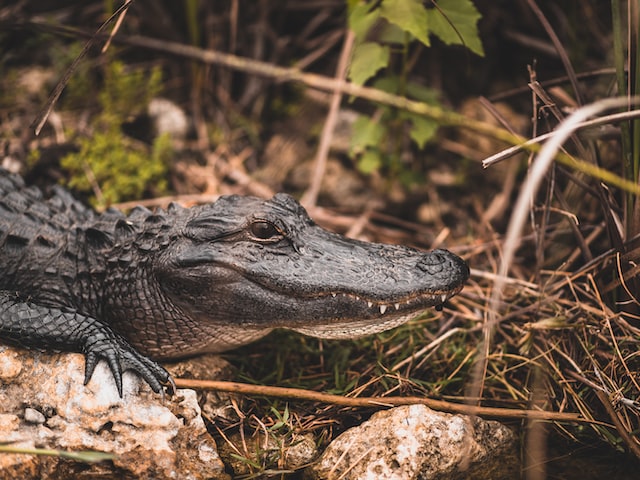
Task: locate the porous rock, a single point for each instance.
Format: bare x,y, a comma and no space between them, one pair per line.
150,437
415,442
214,404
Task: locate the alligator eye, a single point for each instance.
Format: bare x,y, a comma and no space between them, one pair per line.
264,230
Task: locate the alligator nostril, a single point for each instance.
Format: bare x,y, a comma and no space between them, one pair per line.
442,262
432,262
439,255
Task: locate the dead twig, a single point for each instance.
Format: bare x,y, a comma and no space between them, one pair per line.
629,440
311,195
368,402
44,113
557,43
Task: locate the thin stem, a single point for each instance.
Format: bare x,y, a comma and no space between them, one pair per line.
311,195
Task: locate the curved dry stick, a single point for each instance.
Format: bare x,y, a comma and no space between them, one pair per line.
520,213
44,113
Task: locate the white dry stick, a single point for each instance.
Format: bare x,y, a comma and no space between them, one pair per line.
596,122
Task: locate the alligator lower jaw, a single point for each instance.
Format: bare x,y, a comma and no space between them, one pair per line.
355,328
377,318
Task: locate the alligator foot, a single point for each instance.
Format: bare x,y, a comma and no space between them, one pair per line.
35,326
120,356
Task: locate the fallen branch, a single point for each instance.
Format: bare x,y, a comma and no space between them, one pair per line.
364,402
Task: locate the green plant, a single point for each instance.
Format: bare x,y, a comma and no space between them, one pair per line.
388,30
86,456
629,131
112,165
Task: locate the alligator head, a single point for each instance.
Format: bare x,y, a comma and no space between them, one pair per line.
244,266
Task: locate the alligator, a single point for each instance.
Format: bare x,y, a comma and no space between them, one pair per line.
136,289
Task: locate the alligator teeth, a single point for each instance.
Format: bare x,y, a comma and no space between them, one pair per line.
383,308
444,297
370,304
333,294
397,305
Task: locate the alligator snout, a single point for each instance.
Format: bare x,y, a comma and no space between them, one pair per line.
444,266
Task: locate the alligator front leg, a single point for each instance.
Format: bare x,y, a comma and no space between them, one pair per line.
30,325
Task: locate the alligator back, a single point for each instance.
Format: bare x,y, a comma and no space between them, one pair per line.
39,251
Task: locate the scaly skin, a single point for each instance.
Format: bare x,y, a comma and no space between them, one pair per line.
174,283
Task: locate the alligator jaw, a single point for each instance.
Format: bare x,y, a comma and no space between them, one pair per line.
355,328
425,299
375,317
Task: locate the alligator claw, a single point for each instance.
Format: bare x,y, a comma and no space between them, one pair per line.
120,356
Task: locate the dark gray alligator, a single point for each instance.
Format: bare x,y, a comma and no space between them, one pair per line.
179,282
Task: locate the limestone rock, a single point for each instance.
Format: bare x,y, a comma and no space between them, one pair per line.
150,438
214,404
415,442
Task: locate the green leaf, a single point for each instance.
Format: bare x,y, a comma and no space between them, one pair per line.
392,34
410,15
387,83
422,129
368,58
361,19
370,161
462,15
423,93
365,133
414,90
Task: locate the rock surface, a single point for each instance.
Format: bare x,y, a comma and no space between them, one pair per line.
44,404
214,405
415,442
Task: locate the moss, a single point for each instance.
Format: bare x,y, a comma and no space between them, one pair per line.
109,164
120,169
